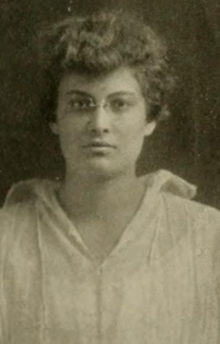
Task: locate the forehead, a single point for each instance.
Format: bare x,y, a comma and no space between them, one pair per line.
119,80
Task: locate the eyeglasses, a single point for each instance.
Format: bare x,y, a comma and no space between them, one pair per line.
82,105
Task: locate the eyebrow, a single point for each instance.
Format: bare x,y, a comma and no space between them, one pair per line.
83,93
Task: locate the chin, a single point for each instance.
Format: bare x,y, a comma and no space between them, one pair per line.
101,169
107,172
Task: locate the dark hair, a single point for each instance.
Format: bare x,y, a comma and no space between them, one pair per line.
100,43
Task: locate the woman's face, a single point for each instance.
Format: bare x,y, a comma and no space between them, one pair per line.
101,123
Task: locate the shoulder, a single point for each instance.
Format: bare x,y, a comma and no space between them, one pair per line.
20,204
190,209
179,208
199,223
19,216
26,192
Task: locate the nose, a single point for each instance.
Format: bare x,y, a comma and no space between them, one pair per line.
99,121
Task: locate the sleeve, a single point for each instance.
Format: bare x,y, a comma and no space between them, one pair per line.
5,226
215,221
216,268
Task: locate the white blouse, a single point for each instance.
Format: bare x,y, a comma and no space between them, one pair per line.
158,286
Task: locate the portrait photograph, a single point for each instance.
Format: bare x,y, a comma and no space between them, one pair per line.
110,172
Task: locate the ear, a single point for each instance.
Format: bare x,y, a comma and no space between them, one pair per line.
150,127
54,128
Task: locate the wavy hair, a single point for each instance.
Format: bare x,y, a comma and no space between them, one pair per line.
100,43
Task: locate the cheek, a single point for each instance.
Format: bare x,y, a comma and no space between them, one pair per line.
72,128
133,137
136,127
69,136
134,131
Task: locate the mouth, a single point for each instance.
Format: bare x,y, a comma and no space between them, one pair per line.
99,148
99,145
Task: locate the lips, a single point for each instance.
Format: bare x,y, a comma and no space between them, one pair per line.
99,144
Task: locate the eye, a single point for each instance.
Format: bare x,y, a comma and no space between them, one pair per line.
80,104
120,104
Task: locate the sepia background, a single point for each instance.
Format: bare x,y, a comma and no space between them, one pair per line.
188,144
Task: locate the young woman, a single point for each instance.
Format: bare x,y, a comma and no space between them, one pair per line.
105,256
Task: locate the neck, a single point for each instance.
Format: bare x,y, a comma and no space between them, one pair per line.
83,197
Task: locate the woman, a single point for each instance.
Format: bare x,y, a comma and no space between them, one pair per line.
106,256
